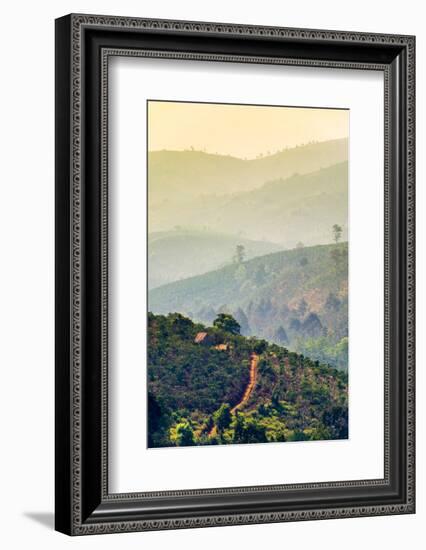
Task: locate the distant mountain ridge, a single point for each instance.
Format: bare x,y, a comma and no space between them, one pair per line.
189,173
301,207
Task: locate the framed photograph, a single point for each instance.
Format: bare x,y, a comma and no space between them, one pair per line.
234,274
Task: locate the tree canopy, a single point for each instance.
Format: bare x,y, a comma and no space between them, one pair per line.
226,322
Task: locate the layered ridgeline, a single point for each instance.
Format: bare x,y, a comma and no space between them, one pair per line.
201,206
283,211
184,174
297,298
284,198
210,385
183,253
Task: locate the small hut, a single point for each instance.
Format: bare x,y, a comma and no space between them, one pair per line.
204,339
222,347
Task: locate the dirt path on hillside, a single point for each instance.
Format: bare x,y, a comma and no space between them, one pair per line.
254,361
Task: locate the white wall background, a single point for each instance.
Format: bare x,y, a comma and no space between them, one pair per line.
26,289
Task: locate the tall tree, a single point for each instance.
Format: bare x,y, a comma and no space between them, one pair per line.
337,232
222,417
227,323
259,346
240,254
182,325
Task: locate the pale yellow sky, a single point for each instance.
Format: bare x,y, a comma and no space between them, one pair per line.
243,131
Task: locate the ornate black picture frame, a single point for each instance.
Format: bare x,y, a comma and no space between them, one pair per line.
83,45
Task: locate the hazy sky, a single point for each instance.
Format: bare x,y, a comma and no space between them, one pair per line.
240,130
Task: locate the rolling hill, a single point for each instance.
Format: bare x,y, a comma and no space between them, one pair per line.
194,173
171,253
302,207
297,298
234,389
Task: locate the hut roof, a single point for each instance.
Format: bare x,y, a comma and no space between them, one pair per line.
222,347
200,337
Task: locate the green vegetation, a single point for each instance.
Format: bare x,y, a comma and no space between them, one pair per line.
227,323
222,418
337,232
197,375
297,298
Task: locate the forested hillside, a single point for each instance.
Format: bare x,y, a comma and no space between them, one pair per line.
297,298
210,385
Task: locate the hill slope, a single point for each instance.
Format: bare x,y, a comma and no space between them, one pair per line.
296,297
183,173
179,254
200,395
301,207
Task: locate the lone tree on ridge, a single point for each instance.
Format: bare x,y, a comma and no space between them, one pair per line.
337,232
